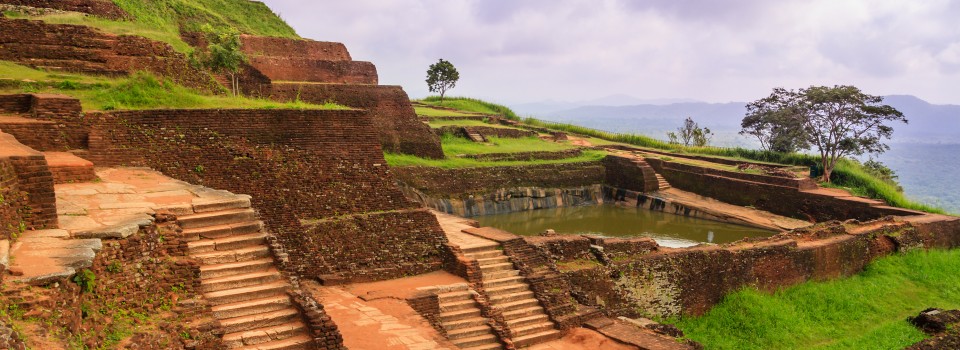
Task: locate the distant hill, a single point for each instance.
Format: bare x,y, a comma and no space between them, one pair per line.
929,123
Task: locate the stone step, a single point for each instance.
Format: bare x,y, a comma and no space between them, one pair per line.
490,282
234,202
464,323
455,296
517,305
528,320
480,248
536,338
451,316
226,243
247,293
476,341
485,254
239,281
457,305
236,255
215,218
263,335
302,341
468,332
519,313
494,260
507,289
220,231
491,346
511,297
531,329
250,307
267,319
501,274
496,267
235,268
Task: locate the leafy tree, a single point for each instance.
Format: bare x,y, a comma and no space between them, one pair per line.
838,121
882,172
690,134
775,122
442,76
223,54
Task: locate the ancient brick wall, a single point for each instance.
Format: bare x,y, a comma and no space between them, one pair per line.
44,122
399,129
630,174
444,183
12,202
527,156
781,200
85,49
15,103
297,48
311,70
34,179
322,168
102,8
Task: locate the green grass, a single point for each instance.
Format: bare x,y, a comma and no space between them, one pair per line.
436,123
432,112
472,105
867,311
403,160
140,91
453,146
162,20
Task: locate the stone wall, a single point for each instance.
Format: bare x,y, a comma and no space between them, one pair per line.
399,129
782,199
13,202
508,200
669,282
34,179
451,183
629,173
84,49
327,173
44,122
102,8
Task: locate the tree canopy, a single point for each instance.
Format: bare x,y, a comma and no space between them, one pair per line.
223,54
837,121
691,134
442,76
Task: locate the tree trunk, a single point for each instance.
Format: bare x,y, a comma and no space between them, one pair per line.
827,170
441,97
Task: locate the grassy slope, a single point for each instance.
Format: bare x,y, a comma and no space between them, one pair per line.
430,112
140,91
454,146
867,311
847,174
162,20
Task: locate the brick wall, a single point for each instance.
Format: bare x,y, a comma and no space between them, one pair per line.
778,199
15,103
630,174
283,47
312,70
399,129
102,8
13,203
34,179
319,167
85,49
44,122
445,183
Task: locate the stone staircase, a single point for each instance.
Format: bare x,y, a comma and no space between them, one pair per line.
239,278
507,291
460,318
662,183
474,136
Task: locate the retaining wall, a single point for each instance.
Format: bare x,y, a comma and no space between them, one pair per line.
102,8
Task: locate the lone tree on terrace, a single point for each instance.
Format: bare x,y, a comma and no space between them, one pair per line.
223,54
691,134
442,76
838,121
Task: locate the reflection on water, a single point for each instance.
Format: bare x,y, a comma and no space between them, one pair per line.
667,229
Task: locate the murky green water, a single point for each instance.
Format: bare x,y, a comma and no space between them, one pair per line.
667,229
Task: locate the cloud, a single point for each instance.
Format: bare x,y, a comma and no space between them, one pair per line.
519,51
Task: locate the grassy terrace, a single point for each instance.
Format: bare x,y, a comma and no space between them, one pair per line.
433,112
162,20
436,123
867,311
454,146
848,174
140,91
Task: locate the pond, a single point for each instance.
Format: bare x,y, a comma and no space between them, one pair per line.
616,221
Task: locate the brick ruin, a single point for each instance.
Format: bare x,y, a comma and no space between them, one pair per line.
101,8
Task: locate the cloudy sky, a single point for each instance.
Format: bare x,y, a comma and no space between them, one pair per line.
517,51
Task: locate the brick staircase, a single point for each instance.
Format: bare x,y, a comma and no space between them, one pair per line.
239,279
460,318
507,291
474,136
662,183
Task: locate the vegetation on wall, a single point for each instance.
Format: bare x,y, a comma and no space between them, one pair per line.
866,311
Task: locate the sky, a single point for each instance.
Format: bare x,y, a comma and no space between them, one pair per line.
519,51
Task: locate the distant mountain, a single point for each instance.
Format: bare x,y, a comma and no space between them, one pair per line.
551,106
929,123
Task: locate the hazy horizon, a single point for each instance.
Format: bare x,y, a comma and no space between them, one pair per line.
573,50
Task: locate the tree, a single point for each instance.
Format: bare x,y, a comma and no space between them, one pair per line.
690,134
442,76
223,54
838,121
